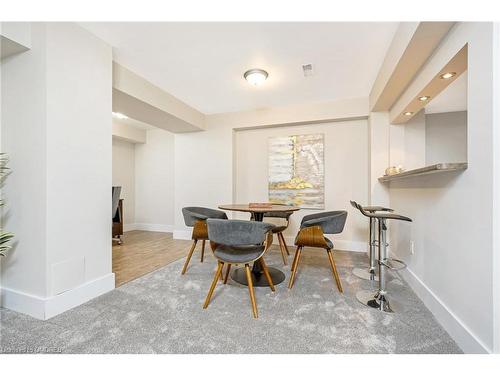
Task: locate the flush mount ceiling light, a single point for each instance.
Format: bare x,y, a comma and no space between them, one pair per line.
119,115
448,75
255,76
408,113
424,98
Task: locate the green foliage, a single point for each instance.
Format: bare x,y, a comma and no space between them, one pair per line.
5,237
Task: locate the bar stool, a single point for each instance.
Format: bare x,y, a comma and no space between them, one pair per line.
363,273
378,299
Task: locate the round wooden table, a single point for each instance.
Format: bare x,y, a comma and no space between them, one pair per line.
257,213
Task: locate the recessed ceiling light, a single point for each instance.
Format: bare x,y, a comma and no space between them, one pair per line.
119,115
424,98
408,113
448,75
255,76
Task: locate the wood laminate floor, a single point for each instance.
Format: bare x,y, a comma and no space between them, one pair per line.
143,252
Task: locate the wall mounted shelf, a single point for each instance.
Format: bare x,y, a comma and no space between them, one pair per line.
431,169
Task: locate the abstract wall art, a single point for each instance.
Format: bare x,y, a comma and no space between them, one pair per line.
296,170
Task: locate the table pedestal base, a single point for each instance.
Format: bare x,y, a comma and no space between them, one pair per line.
258,278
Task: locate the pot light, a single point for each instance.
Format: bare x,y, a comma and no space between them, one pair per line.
255,76
448,75
424,98
408,113
119,115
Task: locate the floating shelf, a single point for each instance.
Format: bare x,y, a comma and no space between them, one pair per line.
436,168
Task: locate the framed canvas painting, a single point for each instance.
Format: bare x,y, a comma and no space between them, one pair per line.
296,170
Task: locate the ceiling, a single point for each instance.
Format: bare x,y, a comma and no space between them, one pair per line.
452,99
202,64
134,123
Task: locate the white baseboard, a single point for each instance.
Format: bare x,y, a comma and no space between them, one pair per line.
46,308
457,329
129,227
181,234
23,302
148,227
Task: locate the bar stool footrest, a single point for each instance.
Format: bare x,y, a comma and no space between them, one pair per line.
388,263
365,274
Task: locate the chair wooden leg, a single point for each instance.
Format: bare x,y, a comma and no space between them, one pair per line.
294,259
266,273
189,257
214,284
228,268
284,243
334,270
282,249
295,265
202,250
250,290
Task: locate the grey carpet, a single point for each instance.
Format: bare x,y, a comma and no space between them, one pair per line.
162,313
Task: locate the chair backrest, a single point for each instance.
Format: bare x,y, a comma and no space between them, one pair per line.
331,222
237,232
279,214
193,214
115,193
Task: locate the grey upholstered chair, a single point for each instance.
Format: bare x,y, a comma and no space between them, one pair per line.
239,242
196,217
312,234
279,229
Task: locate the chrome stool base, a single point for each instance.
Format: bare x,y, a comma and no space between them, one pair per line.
372,299
365,274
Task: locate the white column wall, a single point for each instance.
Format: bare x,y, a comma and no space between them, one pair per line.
496,189
154,182
57,129
24,135
378,143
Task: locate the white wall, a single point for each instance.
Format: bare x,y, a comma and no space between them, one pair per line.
346,173
414,145
124,176
446,137
452,227
128,133
154,182
407,143
378,155
496,189
56,124
24,139
205,163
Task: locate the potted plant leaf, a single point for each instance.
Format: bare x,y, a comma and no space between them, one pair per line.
5,237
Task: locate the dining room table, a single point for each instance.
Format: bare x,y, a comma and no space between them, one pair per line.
257,213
